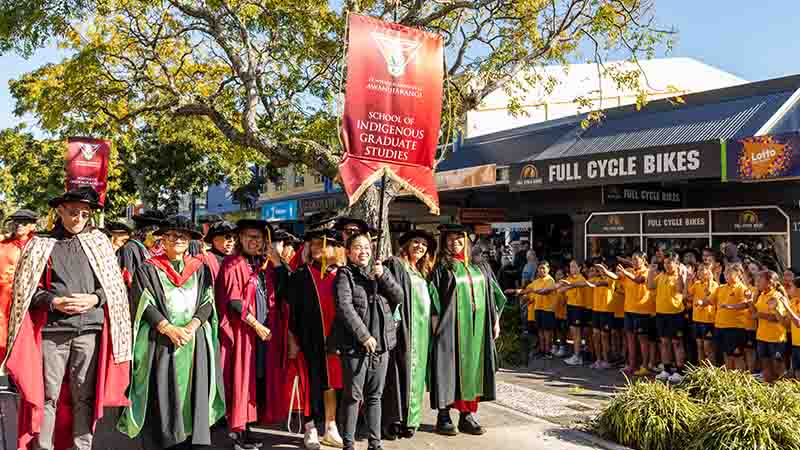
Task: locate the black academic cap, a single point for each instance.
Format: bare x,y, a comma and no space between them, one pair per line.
419,234
81,194
333,237
118,227
284,236
180,223
211,218
448,228
253,224
343,222
23,215
149,217
220,228
320,219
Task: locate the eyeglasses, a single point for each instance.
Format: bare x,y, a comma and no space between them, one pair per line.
175,237
75,212
359,248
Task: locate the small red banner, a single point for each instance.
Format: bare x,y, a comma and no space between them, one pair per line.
87,164
392,108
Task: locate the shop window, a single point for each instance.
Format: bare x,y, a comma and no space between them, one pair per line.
299,177
770,251
317,179
611,248
280,180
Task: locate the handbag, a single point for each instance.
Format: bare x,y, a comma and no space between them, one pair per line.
295,409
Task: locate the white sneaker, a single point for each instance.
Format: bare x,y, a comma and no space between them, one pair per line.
554,350
675,378
575,360
332,437
311,437
758,376
663,376
560,352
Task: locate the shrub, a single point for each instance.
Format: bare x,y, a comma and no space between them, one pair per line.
746,426
709,384
510,351
649,416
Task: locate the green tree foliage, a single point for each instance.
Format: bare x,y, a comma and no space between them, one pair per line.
267,74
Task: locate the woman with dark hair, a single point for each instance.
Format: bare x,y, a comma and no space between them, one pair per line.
463,359
770,310
408,362
311,299
364,334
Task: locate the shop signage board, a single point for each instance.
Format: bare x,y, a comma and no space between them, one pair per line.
284,210
469,177
313,205
481,215
614,224
764,158
677,222
647,165
399,226
642,194
754,220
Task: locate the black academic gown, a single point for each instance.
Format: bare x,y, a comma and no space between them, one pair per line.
305,322
131,256
164,427
445,387
397,391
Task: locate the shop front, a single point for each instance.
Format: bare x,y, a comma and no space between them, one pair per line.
762,233
283,213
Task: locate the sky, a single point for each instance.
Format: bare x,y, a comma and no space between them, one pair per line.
753,40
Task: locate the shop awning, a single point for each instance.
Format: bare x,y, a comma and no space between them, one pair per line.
669,140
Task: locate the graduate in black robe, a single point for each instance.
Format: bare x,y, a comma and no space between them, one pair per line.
135,251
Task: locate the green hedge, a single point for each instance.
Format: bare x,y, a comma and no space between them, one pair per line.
713,409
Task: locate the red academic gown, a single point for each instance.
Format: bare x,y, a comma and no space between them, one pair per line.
112,382
10,249
236,280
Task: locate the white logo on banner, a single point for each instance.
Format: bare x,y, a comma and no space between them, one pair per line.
89,150
397,52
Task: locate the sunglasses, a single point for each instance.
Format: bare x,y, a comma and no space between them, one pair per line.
75,212
175,237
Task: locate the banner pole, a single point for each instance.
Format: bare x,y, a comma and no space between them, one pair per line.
380,215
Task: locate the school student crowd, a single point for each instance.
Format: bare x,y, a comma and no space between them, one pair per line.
655,318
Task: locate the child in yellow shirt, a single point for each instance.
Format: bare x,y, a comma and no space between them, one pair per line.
542,298
770,312
703,313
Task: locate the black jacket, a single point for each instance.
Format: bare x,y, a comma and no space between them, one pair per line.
364,308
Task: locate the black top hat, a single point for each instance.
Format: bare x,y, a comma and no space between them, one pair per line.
343,222
119,227
180,223
333,237
448,228
149,217
81,194
24,215
320,219
283,236
220,228
253,224
211,218
419,234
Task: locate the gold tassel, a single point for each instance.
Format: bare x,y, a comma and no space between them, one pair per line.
51,219
269,249
324,268
466,254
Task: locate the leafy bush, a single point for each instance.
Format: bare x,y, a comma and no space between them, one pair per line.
510,351
649,416
709,384
746,426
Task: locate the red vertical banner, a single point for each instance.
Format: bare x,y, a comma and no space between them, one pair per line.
87,164
392,108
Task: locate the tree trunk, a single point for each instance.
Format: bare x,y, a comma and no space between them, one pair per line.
366,208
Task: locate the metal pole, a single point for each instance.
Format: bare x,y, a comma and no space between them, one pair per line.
194,209
380,215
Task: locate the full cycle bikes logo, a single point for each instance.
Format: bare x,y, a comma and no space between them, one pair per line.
764,157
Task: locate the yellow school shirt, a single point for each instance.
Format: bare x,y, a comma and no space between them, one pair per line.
618,300
531,298
575,296
545,302
728,295
602,296
747,319
637,296
795,302
707,312
561,306
769,331
588,297
668,299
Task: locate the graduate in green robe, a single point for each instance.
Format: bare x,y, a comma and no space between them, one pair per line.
176,388
463,356
408,363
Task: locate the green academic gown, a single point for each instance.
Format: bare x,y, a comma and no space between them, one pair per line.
463,357
176,393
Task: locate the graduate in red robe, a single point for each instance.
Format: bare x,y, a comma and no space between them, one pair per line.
221,236
250,298
22,225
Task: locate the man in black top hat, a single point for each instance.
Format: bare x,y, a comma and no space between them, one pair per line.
69,285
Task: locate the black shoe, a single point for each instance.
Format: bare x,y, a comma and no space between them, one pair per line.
389,432
407,432
361,432
444,425
468,424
